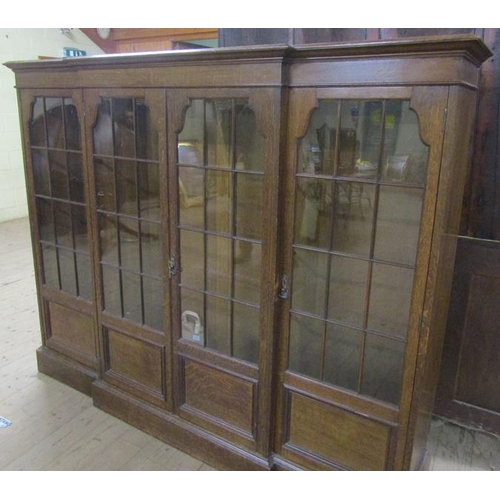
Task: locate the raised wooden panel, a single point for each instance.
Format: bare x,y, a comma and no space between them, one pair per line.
136,361
220,395
334,434
72,331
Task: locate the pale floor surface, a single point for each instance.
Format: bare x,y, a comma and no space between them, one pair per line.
55,427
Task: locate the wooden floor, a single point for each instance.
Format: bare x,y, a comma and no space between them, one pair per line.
55,427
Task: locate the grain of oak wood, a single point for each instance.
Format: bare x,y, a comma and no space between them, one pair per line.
55,427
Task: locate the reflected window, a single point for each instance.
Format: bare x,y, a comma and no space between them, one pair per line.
360,183
57,166
126,169
220,162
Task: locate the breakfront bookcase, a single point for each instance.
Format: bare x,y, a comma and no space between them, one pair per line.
248,252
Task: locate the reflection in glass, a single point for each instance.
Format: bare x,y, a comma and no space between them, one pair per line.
54,120
313,213
128,199
151,250
306,343
50,268
218,327
153,302
309,281
348,280
390,299
342,356
45,220
132,306
58,175
37,125
246,332
67,271
398,224
111,288
41,172
84,276
129,244
219,265
247,271
249,206
192,259
383,368
75,173
220,157
360,185
353,217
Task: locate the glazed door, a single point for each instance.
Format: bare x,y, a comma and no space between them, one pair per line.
223,172
127,171
360,183
58,203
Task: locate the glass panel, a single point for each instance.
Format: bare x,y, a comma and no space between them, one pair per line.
398,224
218,332
111,288
151,248
317,149
76,184
58,175
67,270
62,217
246,333
366,119
191,197
348,279
247,271
37,125
41,172
105,184
249,206
124,127
383,368
50,271
71,125
306,341
45,219
191,139
79,228
132,307
149,191
84,276
193,259
220,202
342,356
390,299
108,238
126,187
54,117
147,137
218,115
192,316
219,265
394,166
129,243
353,218
103,130
153,303
250,145
310,274
313,213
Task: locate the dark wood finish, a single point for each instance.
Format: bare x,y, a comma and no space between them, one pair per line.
469,387
256,412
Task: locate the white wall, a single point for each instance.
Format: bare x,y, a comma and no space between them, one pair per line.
18,44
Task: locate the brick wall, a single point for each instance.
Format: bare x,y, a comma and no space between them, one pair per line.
24,44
